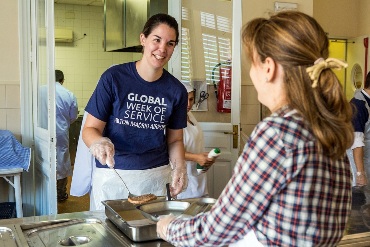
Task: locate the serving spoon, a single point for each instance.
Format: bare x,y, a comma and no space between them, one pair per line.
130,195
134,199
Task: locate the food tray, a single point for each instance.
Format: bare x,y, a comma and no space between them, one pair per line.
136,226
156,209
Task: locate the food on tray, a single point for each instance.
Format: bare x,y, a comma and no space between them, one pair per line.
142,199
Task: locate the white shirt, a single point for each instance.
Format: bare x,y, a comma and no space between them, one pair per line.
194,143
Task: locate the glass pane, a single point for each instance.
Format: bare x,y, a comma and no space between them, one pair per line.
206,34
42,84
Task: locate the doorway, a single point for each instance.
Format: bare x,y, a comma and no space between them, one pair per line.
338,49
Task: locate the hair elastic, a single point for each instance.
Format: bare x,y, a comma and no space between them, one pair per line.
320,64
319,60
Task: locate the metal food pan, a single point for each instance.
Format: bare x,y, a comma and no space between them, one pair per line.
69,232
198,205
7,238
208,200
156,209
130,220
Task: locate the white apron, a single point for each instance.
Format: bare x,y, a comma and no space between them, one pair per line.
83,168
106,185
360,96
194,143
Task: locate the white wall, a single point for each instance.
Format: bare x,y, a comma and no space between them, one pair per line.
10,118
339,18
250,107
363,17
84,60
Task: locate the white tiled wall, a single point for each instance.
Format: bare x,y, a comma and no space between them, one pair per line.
10,108
10,117
249,109
84,60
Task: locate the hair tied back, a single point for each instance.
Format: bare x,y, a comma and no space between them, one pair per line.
320,64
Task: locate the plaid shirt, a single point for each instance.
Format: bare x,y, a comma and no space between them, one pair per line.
283,188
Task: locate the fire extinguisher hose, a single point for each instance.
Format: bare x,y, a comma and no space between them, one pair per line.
213,74
213,78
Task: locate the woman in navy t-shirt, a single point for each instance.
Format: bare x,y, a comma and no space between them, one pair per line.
135,121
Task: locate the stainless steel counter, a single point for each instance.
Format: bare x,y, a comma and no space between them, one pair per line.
63,229
111,232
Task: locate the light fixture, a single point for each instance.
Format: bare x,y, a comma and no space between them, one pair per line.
281,6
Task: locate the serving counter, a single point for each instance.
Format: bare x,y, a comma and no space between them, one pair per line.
69,229
119,225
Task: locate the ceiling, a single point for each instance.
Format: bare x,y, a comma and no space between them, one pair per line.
81,2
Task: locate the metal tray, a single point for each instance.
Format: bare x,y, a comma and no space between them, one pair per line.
130,220
7,238
69,232
200,205
139,228
154,210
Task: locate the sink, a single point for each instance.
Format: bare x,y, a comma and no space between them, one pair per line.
69,232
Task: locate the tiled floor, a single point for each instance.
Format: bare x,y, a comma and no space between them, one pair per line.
359,220
73,203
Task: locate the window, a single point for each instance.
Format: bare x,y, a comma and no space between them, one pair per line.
215,40
186,71
186,74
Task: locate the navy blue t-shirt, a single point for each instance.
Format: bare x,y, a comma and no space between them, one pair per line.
137,114
361,114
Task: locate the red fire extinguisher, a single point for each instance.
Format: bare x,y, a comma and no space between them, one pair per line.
223,93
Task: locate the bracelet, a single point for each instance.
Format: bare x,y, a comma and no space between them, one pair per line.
360,174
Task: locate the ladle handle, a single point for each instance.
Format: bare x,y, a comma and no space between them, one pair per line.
169,198
122,181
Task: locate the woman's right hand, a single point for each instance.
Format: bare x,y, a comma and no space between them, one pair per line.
203,160
103,151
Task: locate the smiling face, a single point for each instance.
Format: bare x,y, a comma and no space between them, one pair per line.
158,46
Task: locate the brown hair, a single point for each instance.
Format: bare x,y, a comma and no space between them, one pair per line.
158,19
295,41
59,76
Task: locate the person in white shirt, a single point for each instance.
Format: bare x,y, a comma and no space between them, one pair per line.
194,153
66,113
359,153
